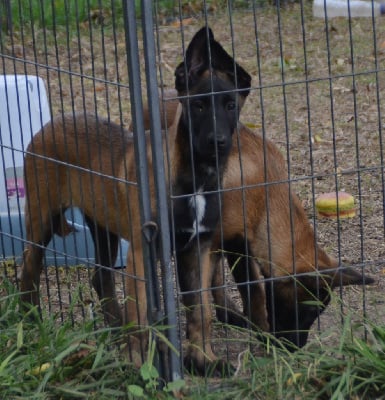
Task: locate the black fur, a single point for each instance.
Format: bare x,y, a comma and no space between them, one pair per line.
290,322
207,83
212,119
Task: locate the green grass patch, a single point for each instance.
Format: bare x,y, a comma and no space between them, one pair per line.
52,13
45,358
354,368
50,358
68,13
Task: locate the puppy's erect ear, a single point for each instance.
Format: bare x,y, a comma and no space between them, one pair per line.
196,60
197,53
199,59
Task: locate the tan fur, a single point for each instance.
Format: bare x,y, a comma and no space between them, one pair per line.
271,212
74,162
281,243
268,228
52,185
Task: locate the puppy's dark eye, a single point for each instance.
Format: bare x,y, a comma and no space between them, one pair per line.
198,105
230,106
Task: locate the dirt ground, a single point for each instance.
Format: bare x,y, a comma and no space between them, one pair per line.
318,93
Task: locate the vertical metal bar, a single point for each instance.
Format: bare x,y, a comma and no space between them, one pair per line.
133,65
174,370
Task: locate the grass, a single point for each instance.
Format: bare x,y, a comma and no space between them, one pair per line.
354,368
55,13
44,359
49,13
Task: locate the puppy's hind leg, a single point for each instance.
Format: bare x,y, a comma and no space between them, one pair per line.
225,308
39,232
106,250
253,293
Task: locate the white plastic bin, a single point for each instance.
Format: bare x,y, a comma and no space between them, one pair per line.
24,110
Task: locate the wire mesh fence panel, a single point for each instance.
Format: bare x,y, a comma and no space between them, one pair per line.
165,160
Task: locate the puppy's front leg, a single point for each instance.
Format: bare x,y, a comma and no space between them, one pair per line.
195,275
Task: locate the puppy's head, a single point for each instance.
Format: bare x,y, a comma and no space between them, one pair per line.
294,304
212,89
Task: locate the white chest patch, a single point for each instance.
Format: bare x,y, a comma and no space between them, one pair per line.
197,204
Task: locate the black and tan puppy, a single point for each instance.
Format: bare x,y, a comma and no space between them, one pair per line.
87,162
278,239
213,119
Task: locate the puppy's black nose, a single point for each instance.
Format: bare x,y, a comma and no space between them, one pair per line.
221,140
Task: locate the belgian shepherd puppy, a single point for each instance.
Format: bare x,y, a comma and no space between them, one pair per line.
88,162
265,233
278,239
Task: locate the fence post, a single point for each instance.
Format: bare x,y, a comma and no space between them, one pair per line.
133,66
154,312
161,190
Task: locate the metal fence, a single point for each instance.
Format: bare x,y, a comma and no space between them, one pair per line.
316,98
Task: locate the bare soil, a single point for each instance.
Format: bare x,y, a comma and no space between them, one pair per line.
318,93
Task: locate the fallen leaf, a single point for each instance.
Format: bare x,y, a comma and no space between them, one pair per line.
252,126
341,89
76,357
317,138
39,370
185,21
294,378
